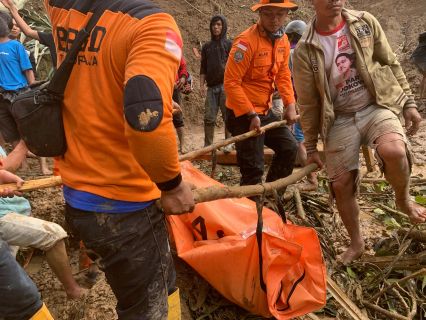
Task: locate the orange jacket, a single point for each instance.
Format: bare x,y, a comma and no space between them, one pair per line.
132,45
253,70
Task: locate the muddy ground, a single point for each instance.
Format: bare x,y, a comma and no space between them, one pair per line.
199,300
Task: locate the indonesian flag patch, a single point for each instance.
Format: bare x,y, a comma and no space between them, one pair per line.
174,44
242,45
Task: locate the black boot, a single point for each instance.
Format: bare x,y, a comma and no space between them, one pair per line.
208,134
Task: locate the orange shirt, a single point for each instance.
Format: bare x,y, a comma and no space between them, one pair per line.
253,70
106,155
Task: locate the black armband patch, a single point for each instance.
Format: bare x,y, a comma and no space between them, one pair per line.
143,104
171,184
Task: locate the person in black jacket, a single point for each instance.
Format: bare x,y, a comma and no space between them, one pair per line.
214,55
418,57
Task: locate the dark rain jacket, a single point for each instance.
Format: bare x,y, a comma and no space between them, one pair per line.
214,55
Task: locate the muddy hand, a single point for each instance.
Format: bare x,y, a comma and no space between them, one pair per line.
178,200
412,120
290,114
315,158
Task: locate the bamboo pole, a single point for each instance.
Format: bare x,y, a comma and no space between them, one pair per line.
219,144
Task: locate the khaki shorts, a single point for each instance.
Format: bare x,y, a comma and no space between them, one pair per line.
23,231
350,131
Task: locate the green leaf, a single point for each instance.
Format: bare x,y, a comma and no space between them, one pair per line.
379,212
351,273
381,186
391,223
424,283
421,200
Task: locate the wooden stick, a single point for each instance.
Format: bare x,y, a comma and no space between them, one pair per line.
219,144
410,262
201,194
34,184
299,205
216,193
312,316
420,273
414,234
387,313
369,158
380,180
341,297
403,215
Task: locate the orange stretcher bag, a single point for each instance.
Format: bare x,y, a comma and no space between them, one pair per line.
219,240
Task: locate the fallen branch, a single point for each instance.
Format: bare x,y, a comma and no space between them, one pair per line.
387,313
401,300
384,207
216,193
201,194
380,180
219,144
409,262
403,248
413,311
299,206
414,234
344,300
419,273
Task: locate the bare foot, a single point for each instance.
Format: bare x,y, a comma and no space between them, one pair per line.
77,293
351,254
415,212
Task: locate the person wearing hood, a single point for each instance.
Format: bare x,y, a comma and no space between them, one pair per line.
418,57
214,55
257,64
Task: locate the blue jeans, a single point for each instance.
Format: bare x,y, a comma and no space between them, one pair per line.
215,100
19,297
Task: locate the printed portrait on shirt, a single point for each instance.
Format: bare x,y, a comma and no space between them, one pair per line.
346,69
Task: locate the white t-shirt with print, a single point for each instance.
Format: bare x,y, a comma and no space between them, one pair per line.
348,91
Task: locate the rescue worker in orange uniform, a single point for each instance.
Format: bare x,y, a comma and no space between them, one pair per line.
257,64
122,151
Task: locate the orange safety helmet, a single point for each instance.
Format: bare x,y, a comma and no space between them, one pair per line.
287,4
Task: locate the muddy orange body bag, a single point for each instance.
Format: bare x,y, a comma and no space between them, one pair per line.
219,241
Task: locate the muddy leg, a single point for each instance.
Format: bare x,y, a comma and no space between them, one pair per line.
58,261
392,151
44,167
345,192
